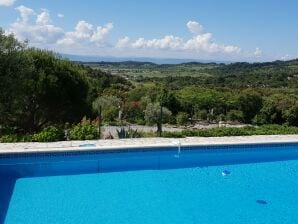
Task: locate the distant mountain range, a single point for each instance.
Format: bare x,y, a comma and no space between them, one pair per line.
83,58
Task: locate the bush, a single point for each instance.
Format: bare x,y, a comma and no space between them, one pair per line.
201,114
107,106
229,131
235,115
274,129
133,112
49,134
129,133
291,115
216,132
8,138
85,130
152,114
173,135
15,138
140,122
182,118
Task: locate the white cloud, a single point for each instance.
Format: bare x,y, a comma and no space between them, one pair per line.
123,43
195,27
7,2
25,13
205,43
60,15
201,42
258,52
40,31
43,18
85,38
168,42
101,33
85,33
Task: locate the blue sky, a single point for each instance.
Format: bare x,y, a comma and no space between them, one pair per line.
255,30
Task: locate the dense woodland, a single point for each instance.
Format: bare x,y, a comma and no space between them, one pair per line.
42,93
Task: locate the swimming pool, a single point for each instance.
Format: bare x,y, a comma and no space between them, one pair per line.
255,183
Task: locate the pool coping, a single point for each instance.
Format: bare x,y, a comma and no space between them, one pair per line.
141,143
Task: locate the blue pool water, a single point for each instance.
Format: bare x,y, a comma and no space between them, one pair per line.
240,185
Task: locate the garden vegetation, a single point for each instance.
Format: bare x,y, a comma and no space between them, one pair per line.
47,98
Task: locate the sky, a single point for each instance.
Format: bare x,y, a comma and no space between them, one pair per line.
220,30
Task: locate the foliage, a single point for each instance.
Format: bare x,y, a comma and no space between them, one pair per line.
38,88
134,112
291,115
228,131
182,118
250,103
49,134
235,115
129,133
109,106
153,113
9,138
85,130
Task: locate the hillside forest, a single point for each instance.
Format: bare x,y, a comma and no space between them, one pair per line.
43,95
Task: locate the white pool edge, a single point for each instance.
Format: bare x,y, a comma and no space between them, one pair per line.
141,143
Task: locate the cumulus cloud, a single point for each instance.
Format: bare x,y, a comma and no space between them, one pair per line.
123,42
85,33
7,2
168,42
25,13
201,41
86,38
195,27
43,18
206,43
39,29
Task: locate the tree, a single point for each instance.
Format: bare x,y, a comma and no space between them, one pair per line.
291,115
269,113
108,106
38,88
152,115
250,103
134,112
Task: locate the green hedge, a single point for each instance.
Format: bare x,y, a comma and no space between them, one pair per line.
87,130
229,131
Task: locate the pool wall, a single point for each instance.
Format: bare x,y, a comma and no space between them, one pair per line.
93,161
